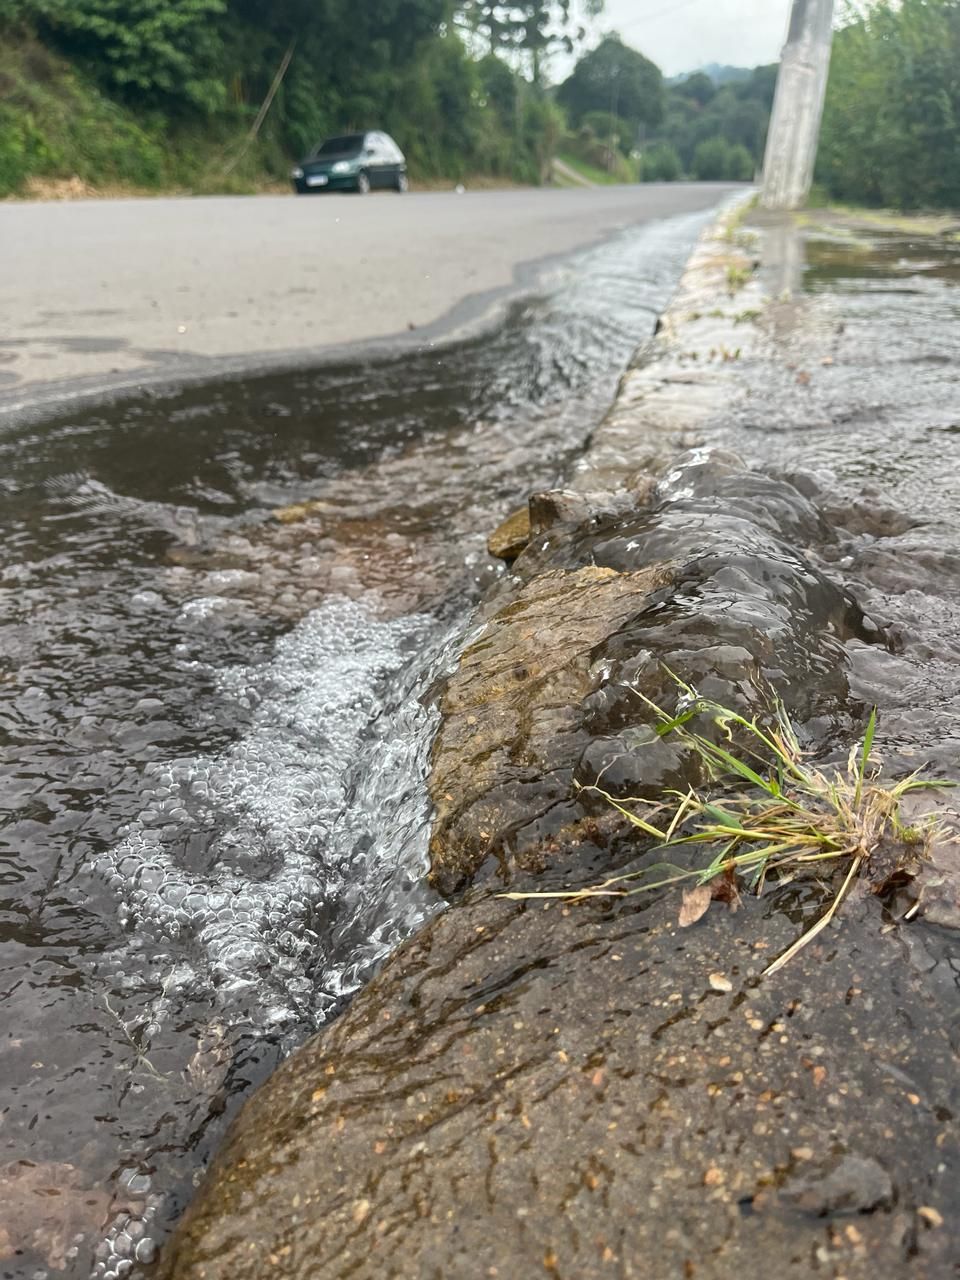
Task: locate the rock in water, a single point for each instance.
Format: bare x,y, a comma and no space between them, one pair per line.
509,538
586,1090
512,722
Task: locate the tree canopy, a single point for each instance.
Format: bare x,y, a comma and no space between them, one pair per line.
533,28
710,131
891,127
616,79
152,91
201,69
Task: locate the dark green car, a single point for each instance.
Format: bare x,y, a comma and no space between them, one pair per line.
353,162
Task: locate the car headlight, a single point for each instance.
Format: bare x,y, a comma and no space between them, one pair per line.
342,166
296,173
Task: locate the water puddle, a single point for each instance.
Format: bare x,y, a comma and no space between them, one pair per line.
222,615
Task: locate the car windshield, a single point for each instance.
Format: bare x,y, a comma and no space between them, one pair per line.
349,143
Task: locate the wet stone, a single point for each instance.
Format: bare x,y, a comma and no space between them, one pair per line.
46,1209
695,580
511,536
541,1081
503,760
851,1184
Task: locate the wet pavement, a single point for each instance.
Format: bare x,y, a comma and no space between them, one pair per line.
863,415
121,294
224,614
588,1091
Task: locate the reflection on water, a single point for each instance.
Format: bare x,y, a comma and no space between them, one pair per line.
214,723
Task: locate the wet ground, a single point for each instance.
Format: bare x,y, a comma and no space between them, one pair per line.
120,294
863,415
215,723
590,1089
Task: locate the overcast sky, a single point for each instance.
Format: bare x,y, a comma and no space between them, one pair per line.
685,34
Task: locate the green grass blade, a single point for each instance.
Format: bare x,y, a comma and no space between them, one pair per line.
734,765
865,757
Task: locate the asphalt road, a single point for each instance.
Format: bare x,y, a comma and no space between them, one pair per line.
113,293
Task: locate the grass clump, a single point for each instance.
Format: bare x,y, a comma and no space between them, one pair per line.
737,277
780,815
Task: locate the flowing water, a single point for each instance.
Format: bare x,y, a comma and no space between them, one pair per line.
862,416
691,1112
223,613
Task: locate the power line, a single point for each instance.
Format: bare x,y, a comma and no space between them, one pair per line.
659,13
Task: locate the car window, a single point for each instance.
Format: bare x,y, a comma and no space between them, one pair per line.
346,144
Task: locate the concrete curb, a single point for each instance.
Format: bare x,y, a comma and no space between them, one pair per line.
688,369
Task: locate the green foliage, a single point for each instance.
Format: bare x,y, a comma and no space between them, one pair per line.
167,90
710,159
55,124
14,149
737,113
595,162
616,79
542,129
891,129
660,163
156,50
716,160
698,88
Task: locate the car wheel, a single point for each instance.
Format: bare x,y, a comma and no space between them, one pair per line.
363,184
402,183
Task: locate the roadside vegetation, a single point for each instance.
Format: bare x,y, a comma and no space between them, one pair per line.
223,95
767,815
891,129
624,118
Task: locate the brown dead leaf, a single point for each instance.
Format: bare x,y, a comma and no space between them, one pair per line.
695,903
724,889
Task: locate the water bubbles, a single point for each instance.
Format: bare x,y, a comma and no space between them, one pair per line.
287,825
148,600
145,1250
127,1241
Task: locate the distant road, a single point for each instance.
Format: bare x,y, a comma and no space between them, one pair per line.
106,294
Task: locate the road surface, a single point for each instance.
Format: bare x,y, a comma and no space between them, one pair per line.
110,294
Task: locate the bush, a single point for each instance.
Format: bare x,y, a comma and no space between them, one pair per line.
716,160
739,165
660,163
710,160
14,151
130,101
605,126
890,129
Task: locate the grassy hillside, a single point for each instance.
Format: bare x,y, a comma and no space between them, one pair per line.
55,125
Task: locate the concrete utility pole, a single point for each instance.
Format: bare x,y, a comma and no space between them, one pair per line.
798,106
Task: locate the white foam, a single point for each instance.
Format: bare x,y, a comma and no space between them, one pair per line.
315,808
